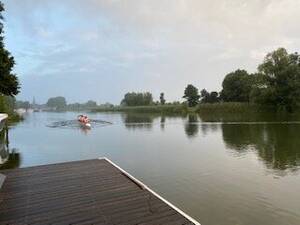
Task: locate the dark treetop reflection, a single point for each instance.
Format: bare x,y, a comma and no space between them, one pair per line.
277,145
9,159
138,121
191,126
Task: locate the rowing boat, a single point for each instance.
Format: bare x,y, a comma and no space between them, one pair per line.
84,121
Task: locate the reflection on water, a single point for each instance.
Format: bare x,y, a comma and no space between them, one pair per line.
247,117
162,122
9,159
191,126
138,121
12,161
146,121
209,128
277,145
85,130
219,173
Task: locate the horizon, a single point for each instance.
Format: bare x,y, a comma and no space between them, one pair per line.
101,50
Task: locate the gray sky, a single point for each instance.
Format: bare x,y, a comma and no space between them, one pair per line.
96,49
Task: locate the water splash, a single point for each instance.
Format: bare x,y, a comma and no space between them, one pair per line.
76,124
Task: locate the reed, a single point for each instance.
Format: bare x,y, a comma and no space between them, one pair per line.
163,109
233,107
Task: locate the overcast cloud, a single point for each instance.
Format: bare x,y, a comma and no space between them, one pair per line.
95,49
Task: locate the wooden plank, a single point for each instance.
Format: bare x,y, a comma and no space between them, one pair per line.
82,192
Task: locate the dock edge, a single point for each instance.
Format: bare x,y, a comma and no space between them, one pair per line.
151,191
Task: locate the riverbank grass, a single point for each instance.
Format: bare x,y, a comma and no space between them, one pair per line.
230,107
166,109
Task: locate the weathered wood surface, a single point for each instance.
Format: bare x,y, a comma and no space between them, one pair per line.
83,192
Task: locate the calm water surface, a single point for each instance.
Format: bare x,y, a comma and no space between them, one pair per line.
219,173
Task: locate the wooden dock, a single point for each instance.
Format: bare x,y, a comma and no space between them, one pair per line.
82,192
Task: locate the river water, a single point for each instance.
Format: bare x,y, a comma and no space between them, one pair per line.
220,173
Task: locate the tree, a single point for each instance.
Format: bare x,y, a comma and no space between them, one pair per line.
7,104
9,83
237,86
23,104
204,94
207,97
57,102
162,98
137,99
278,80
90,104
75,106
213,97
191,95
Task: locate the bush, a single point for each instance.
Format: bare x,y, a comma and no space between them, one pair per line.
7,105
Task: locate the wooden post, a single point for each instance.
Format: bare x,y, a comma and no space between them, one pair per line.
6,135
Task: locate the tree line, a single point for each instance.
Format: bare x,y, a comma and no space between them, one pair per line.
60,103
276,83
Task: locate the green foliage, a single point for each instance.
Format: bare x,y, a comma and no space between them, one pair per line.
162,109
192,96
7,105
237,86
236,112
162,98
79,107
232,107
278,80
59,103
90,104
22,104
137,99
204,94
9,84
75,106
211,97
